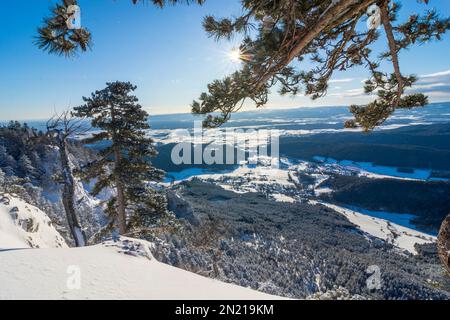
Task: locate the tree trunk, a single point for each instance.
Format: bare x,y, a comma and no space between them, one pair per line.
121,215
392,48
68,195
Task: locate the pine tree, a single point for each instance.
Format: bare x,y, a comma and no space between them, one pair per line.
125,164
26,167
57,37
2,180
5,158
329,34
9,171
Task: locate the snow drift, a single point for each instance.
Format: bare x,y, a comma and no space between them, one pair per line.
121,269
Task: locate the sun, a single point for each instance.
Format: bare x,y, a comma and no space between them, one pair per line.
235,55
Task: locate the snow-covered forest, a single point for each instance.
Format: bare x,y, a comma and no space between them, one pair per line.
291,249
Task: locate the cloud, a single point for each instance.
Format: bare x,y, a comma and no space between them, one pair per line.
436,75
341,80
439,93
436,91
428,88
435,85
432,86
439,96
354,92
359,92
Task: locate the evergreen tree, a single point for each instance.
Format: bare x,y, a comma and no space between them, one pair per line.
330,35
2,180
125,164
4,156
7,162
14,125
56,36
9,171
327,32
35,159
26,167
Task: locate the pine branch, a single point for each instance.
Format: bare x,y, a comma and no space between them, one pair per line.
393,48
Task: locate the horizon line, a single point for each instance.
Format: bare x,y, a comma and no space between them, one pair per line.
243,111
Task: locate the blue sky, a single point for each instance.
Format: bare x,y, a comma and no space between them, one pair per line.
165,53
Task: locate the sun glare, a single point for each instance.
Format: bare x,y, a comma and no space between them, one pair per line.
235,55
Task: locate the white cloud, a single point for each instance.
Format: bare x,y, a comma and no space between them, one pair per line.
437,74
431,85
439,95
341,80
354,92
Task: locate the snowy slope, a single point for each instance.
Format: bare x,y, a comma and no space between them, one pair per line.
399,236
25,226
122,269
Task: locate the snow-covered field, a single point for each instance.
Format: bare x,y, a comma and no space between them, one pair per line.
367,169
393,228
399,236
254,134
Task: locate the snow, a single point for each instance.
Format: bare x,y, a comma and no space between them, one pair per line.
320,191
25,226
122,269
189,173
254,176
283,198
399,236
253,135
219,137
368,169
401,219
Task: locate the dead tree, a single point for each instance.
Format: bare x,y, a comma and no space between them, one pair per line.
60,128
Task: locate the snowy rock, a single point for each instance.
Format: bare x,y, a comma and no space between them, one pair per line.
180,207
25,226
337,293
